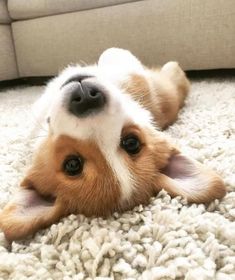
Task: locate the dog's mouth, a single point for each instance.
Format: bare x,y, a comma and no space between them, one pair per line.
76,78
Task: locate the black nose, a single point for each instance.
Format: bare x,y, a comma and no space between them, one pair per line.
85,98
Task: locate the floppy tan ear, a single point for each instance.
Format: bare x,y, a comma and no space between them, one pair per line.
27,213
190,179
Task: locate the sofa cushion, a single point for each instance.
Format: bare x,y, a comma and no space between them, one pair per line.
4,15
8,68
25,9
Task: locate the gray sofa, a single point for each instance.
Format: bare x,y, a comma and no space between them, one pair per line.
40,37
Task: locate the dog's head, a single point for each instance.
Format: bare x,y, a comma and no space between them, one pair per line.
102,154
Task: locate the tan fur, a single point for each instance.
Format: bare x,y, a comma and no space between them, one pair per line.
95,193
145,166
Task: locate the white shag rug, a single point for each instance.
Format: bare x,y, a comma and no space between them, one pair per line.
167,239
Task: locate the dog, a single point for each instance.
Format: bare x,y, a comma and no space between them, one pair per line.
104,150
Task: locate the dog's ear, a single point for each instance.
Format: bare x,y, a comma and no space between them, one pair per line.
27,213
188,178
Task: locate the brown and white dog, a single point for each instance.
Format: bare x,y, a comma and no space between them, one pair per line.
103,151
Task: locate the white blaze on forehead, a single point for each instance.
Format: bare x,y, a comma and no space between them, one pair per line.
130,113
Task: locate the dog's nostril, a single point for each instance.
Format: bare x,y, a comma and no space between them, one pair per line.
77,99
93,93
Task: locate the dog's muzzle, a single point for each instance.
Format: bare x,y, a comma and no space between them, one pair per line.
84,96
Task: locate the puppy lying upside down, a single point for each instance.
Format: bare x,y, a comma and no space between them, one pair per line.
103,151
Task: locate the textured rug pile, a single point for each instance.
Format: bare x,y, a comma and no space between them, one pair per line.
167,239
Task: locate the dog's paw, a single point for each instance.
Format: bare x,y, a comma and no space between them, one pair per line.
174,72
172,69
117,64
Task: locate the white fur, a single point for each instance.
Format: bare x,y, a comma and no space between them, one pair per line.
117,64
106,126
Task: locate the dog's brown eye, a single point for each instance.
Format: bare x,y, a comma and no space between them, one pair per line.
73,165
131,144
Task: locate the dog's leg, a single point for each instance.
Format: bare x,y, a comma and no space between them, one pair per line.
168,89
117,64
160,91
177,76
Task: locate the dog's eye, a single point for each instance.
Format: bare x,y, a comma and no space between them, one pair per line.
131,144
73,165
